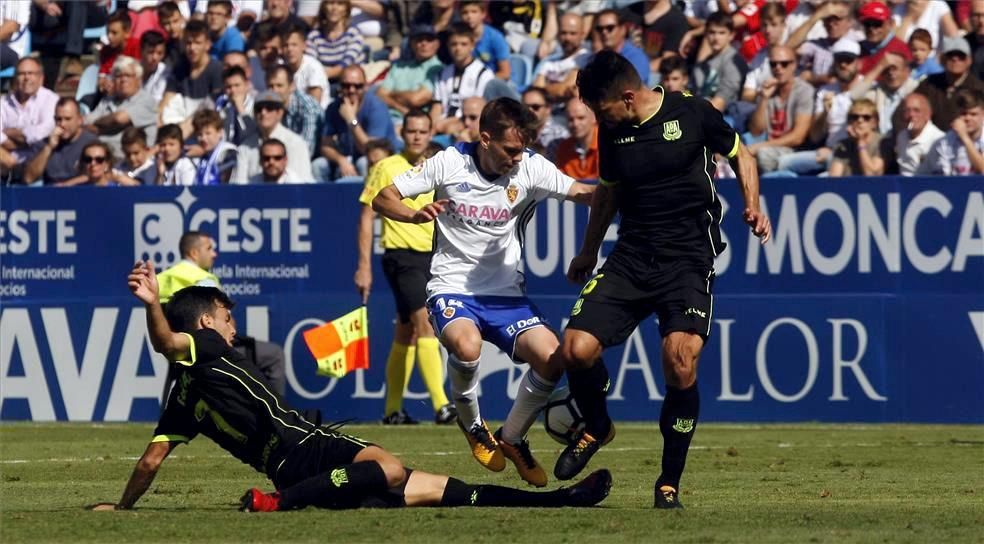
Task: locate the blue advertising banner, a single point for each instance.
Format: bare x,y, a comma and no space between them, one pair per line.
868,305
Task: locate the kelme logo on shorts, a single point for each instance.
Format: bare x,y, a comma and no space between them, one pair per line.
339,477
671,130
683,425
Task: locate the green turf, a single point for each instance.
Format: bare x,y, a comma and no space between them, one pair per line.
777,483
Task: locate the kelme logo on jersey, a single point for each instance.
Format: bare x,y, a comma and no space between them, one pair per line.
683,425
671,130
339,477
511,193
625,140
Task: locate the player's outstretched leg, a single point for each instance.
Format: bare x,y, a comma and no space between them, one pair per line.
678,417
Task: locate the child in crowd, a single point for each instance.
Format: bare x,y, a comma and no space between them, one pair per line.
172,167
218,156
673,74
121,41
138,160
923,62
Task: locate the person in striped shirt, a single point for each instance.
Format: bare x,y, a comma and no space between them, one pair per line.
334,42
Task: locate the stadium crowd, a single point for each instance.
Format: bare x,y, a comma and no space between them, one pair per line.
246,91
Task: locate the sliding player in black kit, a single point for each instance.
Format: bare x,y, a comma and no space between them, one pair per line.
656,153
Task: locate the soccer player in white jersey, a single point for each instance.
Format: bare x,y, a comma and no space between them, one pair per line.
485,194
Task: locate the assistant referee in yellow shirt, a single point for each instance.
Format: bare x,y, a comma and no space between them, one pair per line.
406,264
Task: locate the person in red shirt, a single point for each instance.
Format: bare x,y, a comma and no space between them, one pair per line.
121,41
577,156
879,36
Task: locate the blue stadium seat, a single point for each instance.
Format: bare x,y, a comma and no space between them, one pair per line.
8,72
88,81
521,71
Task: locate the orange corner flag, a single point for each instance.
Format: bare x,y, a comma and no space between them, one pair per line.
342,345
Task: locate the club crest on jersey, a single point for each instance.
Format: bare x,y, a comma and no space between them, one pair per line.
671,130
448,312
511,193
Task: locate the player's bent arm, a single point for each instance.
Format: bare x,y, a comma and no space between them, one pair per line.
746,168
603,209
389,203
144,473
172,345
582,193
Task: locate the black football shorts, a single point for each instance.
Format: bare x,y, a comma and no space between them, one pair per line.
407,272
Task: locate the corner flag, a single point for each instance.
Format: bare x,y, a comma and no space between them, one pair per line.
341,345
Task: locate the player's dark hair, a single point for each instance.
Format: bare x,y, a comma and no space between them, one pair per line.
503,114
152,38
196,28
167,9
720,18
606,77
133,135
460,29
207,118
122,17
188,305
966,99
274,70
234,71
669,64
417,113
274,141
290,31
264,31
170,132
227,4
189,241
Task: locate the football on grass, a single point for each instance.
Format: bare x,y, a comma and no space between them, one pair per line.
561,417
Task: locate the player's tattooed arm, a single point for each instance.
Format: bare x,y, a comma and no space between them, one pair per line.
582,193
745,167
143,475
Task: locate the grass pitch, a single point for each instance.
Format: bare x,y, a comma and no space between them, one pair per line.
744,483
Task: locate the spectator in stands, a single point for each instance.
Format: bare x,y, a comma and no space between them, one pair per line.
128,106
195,82
335,42
409,84
915,140
27,114
930,15
440,14
975,37
268,109
490,45
673,76
121,41
782,117
961,151
719,76
279,13
350,122
759,71
379,149
924,62
557,73
309,74
153,49
57,31
663,26
610,33
816,61
549,131
273,165
879,35
267,54
465,77
56,161
14,18
171,167
225,38
858,154
138,161
941,88
173,23
471,113
219,157
829,125
522,22
236,106
577,156
96,169
894,82
302,115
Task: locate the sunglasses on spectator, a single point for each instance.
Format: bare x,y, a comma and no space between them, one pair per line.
89,159
536,107
267,106
605,28
780,63
268,158
959,55
852,117
872,24
844,57
356,86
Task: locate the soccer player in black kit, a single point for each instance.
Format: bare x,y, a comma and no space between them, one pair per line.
656,161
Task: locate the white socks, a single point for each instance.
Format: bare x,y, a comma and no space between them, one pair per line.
534,390
464,390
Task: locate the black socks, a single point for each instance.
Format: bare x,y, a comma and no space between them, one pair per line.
589,386
341,487
677,423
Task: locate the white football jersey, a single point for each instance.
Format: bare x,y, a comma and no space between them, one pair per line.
478,240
